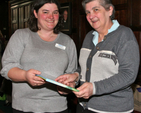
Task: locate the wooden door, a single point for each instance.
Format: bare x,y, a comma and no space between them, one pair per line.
20,12
14,18
24,13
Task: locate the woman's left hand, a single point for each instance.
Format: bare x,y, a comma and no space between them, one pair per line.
85,90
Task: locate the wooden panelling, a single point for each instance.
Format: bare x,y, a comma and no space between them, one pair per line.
121,16
136,14
14,17
20,12
26,14
116,2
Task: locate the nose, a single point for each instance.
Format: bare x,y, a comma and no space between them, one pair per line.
51,16
91,15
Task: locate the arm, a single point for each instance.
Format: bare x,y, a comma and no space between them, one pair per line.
72,57
69,75
13,74
12,69
68,79
25,76
128,58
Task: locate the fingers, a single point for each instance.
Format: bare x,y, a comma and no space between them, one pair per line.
36,78
38,83
66,78
32,79
61,78
67,81
85,91
81,92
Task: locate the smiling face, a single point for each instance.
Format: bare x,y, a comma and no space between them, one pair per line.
47,16
97,16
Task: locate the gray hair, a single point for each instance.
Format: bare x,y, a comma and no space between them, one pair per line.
105,3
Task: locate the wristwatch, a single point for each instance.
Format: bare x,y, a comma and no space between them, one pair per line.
77,82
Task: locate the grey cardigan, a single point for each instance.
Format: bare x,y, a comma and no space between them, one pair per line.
112,66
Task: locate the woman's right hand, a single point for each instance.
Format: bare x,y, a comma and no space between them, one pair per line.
18,75
32,79
68,79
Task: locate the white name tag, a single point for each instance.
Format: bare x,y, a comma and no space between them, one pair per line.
60,46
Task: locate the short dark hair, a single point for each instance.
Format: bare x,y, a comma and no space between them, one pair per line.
105,3
32,21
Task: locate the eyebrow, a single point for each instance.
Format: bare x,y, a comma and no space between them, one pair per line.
95,7
48,10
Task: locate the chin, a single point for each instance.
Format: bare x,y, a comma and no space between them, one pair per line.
95,27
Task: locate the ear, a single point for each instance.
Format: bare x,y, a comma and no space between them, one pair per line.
110,10
35,14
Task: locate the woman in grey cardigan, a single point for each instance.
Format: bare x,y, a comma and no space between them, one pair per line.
109,61
39,49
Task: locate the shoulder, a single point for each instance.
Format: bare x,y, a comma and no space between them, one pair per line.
90,33
64,36
126,33
88,37
122,33
123,36
124,28
65,40
25,31
21,34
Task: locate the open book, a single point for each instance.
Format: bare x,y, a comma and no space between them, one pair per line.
57,83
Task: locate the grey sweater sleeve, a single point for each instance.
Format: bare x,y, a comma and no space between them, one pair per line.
72,55
13,52
127,52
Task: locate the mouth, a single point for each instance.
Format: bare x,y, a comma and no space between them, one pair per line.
50,21
94,21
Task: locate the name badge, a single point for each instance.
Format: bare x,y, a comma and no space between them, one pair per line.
60,46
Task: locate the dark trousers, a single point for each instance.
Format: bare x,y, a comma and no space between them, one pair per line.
80,109
17,111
